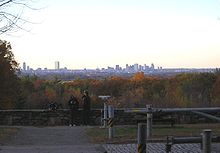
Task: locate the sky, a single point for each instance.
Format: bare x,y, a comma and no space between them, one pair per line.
99,33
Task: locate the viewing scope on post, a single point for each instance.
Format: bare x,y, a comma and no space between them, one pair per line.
105,115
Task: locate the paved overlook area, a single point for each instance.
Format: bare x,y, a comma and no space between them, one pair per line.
50,140
63,139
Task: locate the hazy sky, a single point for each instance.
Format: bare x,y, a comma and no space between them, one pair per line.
100,33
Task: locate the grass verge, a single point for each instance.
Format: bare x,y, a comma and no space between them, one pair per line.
128,134
6,133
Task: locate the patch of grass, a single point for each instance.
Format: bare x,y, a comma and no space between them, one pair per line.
125,134
186,130
121,133
97,134
6,133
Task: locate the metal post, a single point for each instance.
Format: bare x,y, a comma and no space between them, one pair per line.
141,138
169,144
105,98
149,121
201,145
206,141
110,122
101,118
105,115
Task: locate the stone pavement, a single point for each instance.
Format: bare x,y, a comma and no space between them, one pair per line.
158,148
50,140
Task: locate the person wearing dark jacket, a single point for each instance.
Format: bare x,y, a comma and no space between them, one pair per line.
74,106
86,107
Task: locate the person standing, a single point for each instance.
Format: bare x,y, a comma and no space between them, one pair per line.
74,106
86,107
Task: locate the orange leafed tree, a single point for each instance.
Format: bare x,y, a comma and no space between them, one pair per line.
138,76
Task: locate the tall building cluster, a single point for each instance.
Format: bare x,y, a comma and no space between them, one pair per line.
25,67
128,68
136,67
56,67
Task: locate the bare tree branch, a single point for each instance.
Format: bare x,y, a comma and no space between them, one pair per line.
11,12
11,22
26,5
5,2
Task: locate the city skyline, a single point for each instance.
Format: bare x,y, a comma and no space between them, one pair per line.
57,66
64,73
84,34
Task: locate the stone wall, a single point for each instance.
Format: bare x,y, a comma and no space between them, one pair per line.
61,117
57,117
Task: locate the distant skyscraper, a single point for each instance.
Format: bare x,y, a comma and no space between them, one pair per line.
136,67
24,66
146,67
117,67
127,68
57,65
152,66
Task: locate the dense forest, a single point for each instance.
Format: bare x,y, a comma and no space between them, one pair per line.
184,90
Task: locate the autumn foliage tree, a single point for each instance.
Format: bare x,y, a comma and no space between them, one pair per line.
183,90
9,82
